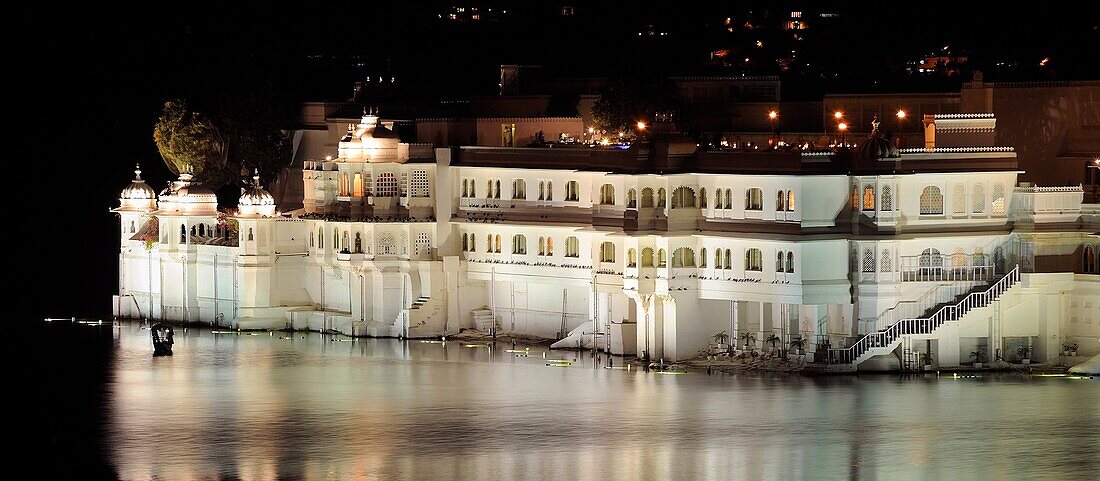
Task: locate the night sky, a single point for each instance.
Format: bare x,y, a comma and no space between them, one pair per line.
90,79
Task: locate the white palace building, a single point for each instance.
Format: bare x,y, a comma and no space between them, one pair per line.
873,256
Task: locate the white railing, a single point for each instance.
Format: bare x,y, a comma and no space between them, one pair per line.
955,150
947,267
907,309
924,325
1048,200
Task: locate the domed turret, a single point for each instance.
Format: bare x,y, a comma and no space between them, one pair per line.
187,196
255,200
138,195
876,146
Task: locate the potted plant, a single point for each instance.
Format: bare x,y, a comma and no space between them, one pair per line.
1025,354
798,345
721,341
749,338
1065,349
1073,349
927,358
978,356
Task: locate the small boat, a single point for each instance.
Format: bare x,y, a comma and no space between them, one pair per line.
162,339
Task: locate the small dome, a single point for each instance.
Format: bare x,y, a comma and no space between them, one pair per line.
138,189
255,199
876,146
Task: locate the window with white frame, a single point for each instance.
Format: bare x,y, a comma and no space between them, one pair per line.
754,199
607,252
931,201
572,247
519,244
572,191
754,260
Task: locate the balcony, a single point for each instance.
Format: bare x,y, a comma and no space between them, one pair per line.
1048,204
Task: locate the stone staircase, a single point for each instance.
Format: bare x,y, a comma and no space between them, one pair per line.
426,316
887,340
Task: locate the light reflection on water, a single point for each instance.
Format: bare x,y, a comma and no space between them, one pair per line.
260,407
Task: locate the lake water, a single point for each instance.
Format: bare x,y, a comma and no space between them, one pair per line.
259,407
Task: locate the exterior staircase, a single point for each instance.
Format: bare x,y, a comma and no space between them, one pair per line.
424,315
886,340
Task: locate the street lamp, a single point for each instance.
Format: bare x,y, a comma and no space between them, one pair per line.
901,117
773,116
841,128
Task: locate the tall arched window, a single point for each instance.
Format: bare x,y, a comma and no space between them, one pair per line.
572,191
754,260
473,242
1089,261
729,199
519,244
465,188
790,262
683,196
998,202
183,233
683,257
978,259
868,260
496,189
496,244
868,197
542,190
779,258
718,199
249,233
780,201
958,200
631,258
311,239
344,185
702,197
647,257
661,198
320,238
790,200
978,196
931,201
754,199
887,199
647,197
662,260
519,189
729,259
344,245
473,188
607,252
357,185
549,190
549,246
572,247
542,246
958,258
632,199
387,185
885,262
930,261
465,242
718,259
703,257
607,194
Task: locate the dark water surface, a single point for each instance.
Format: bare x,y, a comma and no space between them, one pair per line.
259,407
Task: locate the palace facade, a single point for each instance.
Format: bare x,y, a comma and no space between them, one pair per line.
867,256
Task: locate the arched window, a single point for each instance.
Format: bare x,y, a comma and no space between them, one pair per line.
519,244
661,198
387,185
931,201
549,246
729,259
632,199
978,196
754,199
496,245
702,198
885,262
489,244
549,190
202,230
607,194
496,189
357,185
311,239
344,246
662,260
790,262
780,201
631,258
572,191
183,233
703,257
1089,261
193,231
489,189
729,199
387,242
250,233
779,261
683,196
647,197
958,200
465,188
930,260
335,238
131,227
473,242
519,189
465,242
572,247
718,259
607,252
683,257
344,185
473,188
320,238
790,200
868,260
979,258
542,190
887,200
958,259
754,260
868,197
647,257
542,246
998,200
718,199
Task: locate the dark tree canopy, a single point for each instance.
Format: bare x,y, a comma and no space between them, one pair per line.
563,103
625,101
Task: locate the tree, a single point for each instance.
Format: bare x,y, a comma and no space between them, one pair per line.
625,101
189,142
562,103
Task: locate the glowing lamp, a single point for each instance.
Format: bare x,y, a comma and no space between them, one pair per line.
842,126
901,114
773,114
838,115
641,125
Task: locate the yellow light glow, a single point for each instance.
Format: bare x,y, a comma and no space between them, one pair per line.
641,125
773,114
842,126
838,115
901,114
591,130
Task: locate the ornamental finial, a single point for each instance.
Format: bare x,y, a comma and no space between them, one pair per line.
137,172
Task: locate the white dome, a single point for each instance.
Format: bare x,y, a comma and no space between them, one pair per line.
138,189
255,200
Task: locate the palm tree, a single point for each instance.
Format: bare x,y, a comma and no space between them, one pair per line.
799,343
978,355
772,339
1024,351
749,338
721,338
